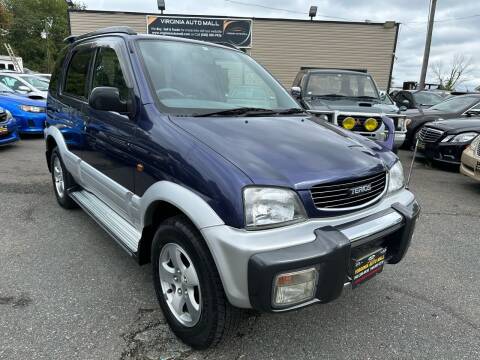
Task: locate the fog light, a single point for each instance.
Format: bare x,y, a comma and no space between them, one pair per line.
348,123
371,124
294,287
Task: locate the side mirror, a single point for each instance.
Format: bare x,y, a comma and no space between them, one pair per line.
403,108
107,99
406,102
296,91
24,88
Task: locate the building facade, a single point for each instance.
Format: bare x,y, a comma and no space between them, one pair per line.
282,45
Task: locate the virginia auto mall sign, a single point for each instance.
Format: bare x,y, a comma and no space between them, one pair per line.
237,32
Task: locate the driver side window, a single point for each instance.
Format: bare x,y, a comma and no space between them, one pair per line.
108,72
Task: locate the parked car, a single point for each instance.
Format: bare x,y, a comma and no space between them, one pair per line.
32,85
444,141
452,108
471,160
417,99
8,128
349,99
235,206
29,114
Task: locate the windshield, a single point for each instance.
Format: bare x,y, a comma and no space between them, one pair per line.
39,83
456,104
427,98
343,84
195,79
5,88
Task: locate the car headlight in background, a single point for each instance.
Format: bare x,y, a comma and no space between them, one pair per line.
267,207
475,143
397,178
32,109
465,137
408,121
348,123
370,124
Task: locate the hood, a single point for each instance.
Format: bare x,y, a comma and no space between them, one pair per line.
20,100
351,105
295,152
455,126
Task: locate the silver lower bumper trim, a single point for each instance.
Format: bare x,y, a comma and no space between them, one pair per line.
374,226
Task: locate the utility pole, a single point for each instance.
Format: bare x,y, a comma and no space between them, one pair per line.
428,42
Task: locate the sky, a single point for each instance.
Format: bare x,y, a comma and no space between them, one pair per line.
456,30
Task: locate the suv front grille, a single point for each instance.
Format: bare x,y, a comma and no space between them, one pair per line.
360,120
478,149
430,135
349,194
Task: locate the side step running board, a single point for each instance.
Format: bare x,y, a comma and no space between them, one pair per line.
119,228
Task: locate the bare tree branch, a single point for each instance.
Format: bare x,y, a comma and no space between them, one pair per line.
460,67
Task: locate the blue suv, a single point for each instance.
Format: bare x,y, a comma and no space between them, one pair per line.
194,158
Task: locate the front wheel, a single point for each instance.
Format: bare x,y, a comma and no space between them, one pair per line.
188,286
62,181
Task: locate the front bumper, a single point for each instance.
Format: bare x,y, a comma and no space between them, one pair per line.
247,261
30,123
447,153
12,133
470,164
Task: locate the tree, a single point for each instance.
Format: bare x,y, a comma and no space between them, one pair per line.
459,68
36,30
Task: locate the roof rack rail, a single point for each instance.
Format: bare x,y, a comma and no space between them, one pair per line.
228,44
332,68
107,30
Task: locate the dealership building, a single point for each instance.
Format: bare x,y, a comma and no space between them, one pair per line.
283,46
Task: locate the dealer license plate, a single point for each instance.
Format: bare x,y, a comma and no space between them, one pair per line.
3,130
368,266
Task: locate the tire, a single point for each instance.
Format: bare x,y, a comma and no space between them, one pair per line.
178,239
62,181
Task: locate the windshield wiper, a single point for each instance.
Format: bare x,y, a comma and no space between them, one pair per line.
250,111
367,97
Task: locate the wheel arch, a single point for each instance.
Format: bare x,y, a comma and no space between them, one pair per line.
51,143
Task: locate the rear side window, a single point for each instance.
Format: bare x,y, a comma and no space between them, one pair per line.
76,79
108,72
57,72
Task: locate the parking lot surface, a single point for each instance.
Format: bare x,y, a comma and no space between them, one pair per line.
68,291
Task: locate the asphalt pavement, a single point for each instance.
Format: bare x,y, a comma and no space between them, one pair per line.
68,291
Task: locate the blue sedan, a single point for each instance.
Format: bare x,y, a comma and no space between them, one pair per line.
29,113
8,128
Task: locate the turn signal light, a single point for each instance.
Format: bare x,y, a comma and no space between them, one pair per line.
371,124
348,123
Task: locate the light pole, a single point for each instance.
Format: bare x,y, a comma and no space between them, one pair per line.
428,42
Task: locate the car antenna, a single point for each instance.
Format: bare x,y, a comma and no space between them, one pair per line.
410,171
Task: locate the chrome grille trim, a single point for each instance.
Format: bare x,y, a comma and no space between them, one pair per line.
334,197
430,135
478,150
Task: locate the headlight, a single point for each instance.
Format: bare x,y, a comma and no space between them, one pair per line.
9,115
348,123
397,179
465,137
407,122
271,207
32,109
475,143
371,124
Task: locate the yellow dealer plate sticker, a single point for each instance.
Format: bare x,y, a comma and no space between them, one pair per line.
3,130
368,266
